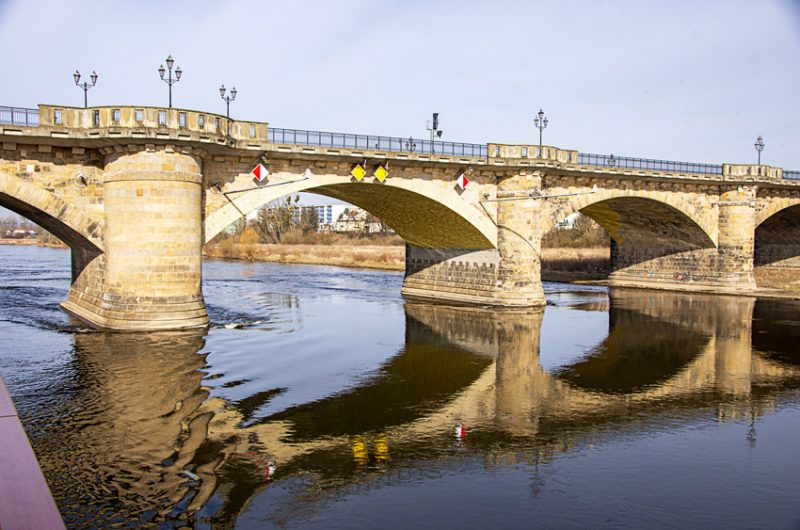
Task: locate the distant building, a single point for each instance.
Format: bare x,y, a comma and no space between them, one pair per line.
21,232
355,219
336,218
327,214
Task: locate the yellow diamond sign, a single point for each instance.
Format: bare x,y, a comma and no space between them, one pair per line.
358,172
381,173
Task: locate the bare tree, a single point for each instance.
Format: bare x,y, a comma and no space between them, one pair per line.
274,220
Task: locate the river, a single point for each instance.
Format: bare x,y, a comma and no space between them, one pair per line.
320,398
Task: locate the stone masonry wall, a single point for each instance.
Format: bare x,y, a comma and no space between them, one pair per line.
152,263
454,275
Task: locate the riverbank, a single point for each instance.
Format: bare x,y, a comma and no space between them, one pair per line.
361,256
558,264
31,242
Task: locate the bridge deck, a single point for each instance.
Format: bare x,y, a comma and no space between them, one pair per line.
524,155
25,499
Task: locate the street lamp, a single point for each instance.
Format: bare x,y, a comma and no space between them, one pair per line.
541,122
85,86
433,127
169,81
759,147
227,99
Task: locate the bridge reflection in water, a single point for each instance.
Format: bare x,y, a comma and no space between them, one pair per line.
141,416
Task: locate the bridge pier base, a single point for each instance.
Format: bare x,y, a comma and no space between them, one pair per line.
149,276
509,276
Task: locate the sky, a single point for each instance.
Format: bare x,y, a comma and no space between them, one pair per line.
678,80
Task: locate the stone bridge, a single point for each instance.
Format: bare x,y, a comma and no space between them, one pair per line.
136,192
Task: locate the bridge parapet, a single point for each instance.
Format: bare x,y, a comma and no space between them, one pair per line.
151,123
520,153
751,172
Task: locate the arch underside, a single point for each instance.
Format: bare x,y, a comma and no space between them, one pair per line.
777,239
648,223
652,238
420,221
61,230
68,223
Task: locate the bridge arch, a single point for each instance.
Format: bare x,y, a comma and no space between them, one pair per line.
647,217
68,223
777,235
422,212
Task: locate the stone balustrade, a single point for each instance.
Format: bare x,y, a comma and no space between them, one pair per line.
150,122
533,152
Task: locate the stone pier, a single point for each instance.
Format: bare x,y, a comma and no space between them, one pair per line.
151,274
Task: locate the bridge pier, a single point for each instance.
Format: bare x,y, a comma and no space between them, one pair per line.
508,276
737,228
149,277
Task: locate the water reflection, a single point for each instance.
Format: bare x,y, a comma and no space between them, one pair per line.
115,443
136,436
481,369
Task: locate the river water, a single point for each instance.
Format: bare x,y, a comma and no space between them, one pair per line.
320,398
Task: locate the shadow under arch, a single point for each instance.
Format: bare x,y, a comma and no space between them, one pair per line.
418,211
777,239
642,229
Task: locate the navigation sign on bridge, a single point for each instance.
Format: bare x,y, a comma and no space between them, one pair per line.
260,173
381,173
358,172
462,181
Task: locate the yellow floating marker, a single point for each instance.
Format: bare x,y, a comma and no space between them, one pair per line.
358,172
381,173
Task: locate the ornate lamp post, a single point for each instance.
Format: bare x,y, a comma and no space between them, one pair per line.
85,86
541,122
227,99
169,81
759,147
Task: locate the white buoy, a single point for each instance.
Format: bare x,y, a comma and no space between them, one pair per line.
460,431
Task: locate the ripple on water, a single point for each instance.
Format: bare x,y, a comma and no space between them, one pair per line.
607,409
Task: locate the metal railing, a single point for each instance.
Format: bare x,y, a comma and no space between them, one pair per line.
19,116
589,159
30,118
377,143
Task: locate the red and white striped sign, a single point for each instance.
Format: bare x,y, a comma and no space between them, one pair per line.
260,172
462,181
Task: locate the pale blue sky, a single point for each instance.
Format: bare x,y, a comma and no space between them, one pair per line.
681,80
